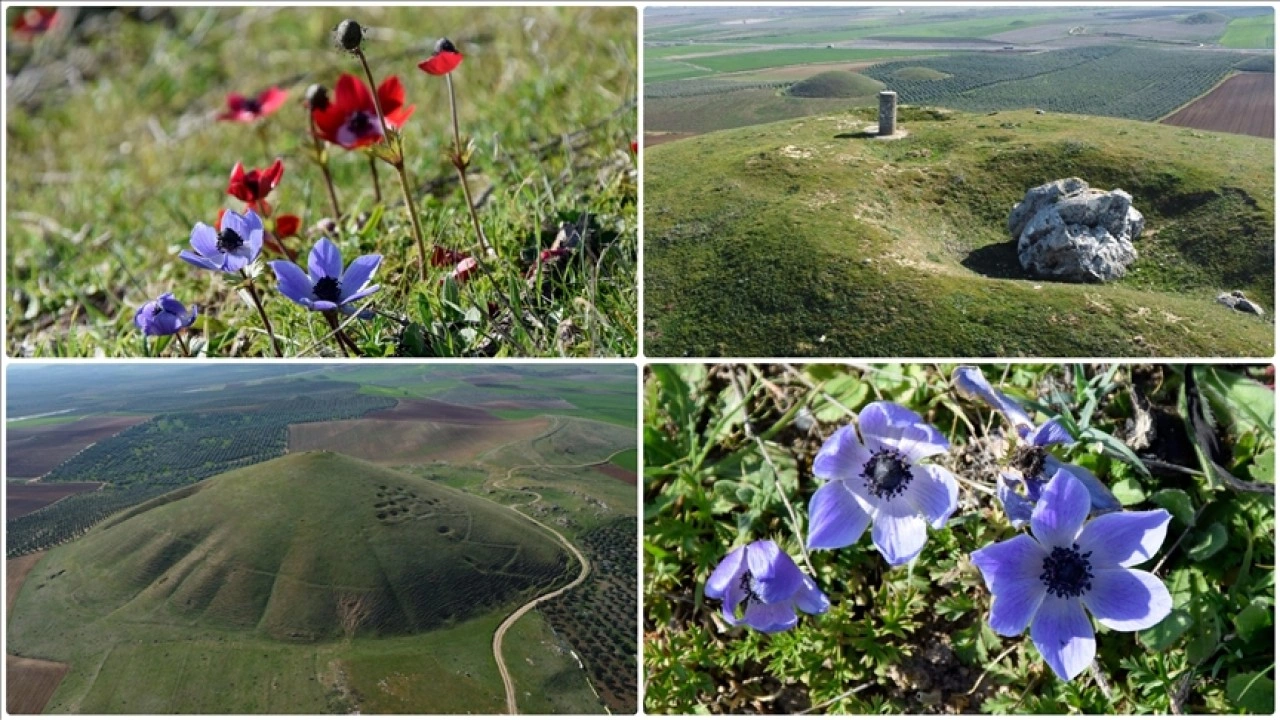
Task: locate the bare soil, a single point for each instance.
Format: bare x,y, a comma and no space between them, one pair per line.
29,683
435,410
32,452
615,472
1244,104
653,139
25,498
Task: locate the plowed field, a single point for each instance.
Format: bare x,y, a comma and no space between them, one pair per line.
34,451
1244,104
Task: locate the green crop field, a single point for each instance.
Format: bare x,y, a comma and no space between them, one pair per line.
665,51
658,70
289,557
903,249
1258,31
793,56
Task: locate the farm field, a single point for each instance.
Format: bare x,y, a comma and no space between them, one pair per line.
25,498
32,451
1251,32
232,577
1244,103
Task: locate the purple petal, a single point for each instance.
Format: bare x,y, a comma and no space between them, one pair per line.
933,493
1051,433
143,314
841,456
1015,506
325,261
771,617
204,240
1014,560
359,272
921,441
1060,512
164,324
1017,603
323,305
253,244
251,222
191,317
1128,600
775,577
836,517
1124,538
360,295
1099,496
727,573
234,262
810,599
1062,633
201,262
171,305
899,538
882,419
970,381
294,283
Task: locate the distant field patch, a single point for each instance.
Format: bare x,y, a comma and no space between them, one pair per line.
792,56
406,441
658,70
919,74
836,84
435,410
666,51
25,498
1258,31
617,473
1244,104
34,451
30,683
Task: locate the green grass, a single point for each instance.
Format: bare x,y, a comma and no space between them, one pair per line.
111,195
792,56
836,84
658,70
657,52
627,460
42,421
265,557
800,239
1258,31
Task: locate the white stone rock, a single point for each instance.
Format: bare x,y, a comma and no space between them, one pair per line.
1066,230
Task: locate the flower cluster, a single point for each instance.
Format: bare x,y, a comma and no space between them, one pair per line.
880,476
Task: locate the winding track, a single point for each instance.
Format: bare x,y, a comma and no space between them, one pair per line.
501,632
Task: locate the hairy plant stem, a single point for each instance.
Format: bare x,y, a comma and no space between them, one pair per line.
345,343
398,163
377,186
266,146
323,161
461,163
262,312
182,343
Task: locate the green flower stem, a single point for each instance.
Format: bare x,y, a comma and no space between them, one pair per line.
323,161
460,163
257,302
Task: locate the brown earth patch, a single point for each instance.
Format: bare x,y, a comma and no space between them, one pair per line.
654,139
436,410
617,473
1244,104
553,404
29,683
25,498
32,452
492,377
403,442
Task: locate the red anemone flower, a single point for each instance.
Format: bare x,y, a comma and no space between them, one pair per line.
254,186
351,119
287,225
35,21
247,109
442,256
443,60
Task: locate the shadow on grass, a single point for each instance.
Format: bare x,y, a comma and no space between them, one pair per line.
860,135
997,260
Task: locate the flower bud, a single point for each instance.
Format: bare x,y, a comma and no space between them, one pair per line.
445,45
317,97
348,35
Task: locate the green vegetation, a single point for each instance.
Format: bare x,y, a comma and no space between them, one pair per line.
42,421
1257,31
657,70
666,51
791,56
290,556
916,73
108,197
915,639
903,248
836,84
1205,17
627,460
1111,80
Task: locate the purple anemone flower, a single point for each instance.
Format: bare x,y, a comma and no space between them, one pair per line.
235,243
327,287
879,481
164,316
1048,578
769,586
1032,462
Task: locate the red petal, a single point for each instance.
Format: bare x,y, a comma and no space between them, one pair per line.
218,223
464,270
398,118
238,185
328,121
351,95
271,176
287,225
442,63
271,100
391,95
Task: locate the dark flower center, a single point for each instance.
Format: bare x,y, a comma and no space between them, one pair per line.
252,106
1029,460
328,289
360,123
887,474
229,240
1067,572
747,585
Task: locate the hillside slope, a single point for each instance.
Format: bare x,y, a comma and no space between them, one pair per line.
803,238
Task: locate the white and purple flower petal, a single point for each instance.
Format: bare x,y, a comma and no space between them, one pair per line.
769,585
325,261
899,538
1051,433
774,574
970,381
1061,511
837,517
1063,634
933,493
1011,570
842,456
293,282
810,599
1127,600
357,275
1016,507
771,617
1124,538
1100,497
886,424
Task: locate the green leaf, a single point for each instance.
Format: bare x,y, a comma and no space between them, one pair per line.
1116,449
1208,543
1252,692
1165,632
1263,469
1128,491
1178,503
1253,618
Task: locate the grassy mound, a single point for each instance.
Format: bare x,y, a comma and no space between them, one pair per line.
1207,17
801,239
919,73
836,84
308,547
